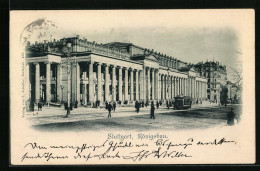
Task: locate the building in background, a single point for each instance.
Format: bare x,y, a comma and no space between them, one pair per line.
121,72
216,75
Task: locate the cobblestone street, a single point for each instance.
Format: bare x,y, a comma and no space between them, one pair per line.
125,118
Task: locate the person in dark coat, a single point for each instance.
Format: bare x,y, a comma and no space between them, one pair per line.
65,105
109,108
114,106
152,110
71,106
106,105
39,106
157,105
137,106
230,117
146,104
76,104
142,103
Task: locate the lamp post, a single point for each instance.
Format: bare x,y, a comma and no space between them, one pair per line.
61,87
168,85
69,62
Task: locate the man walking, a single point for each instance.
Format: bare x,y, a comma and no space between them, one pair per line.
109,108
157,105
152,111
114,106
137,106
230,117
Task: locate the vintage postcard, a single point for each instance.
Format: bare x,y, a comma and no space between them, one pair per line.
95,87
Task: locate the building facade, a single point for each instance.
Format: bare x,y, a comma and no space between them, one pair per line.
216,75
88,72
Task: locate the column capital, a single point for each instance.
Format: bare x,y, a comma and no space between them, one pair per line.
36,63
47,62
97,63
112,66
125,68
130,69
119,67
105,64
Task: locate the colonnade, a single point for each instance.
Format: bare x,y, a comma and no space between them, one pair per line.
96,81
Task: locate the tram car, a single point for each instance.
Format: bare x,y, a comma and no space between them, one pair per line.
182,102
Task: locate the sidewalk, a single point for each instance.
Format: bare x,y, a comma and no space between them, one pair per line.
50,115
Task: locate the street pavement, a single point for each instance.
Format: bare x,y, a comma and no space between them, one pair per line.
125,118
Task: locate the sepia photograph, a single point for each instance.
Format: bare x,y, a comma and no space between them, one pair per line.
132,87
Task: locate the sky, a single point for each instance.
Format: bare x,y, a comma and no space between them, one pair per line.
190,36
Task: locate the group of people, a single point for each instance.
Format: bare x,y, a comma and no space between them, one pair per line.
110,107
231,116
138,105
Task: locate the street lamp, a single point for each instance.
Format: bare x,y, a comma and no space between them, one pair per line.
61,87
70,61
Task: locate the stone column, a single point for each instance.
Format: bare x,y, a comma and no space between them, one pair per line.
37,82
131,85
186,86
126,84
168,87
59,82
78,83
99,86
120,83
153,84
144,84
177,86
172,87
158,87
27,82
141,85
84,99
197,89
137,84
107,80
201,89
114,83
48,82
163,87
148,84
194,84
91,84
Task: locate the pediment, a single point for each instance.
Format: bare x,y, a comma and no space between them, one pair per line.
192,70
152,58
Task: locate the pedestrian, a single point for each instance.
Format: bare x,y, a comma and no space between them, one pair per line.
76,104
152,111
106,105
230,117
146,104
39,106
109,108
157,105
142,103
114,106
65,105
137,106
71,106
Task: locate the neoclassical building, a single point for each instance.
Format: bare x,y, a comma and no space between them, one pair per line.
85,71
